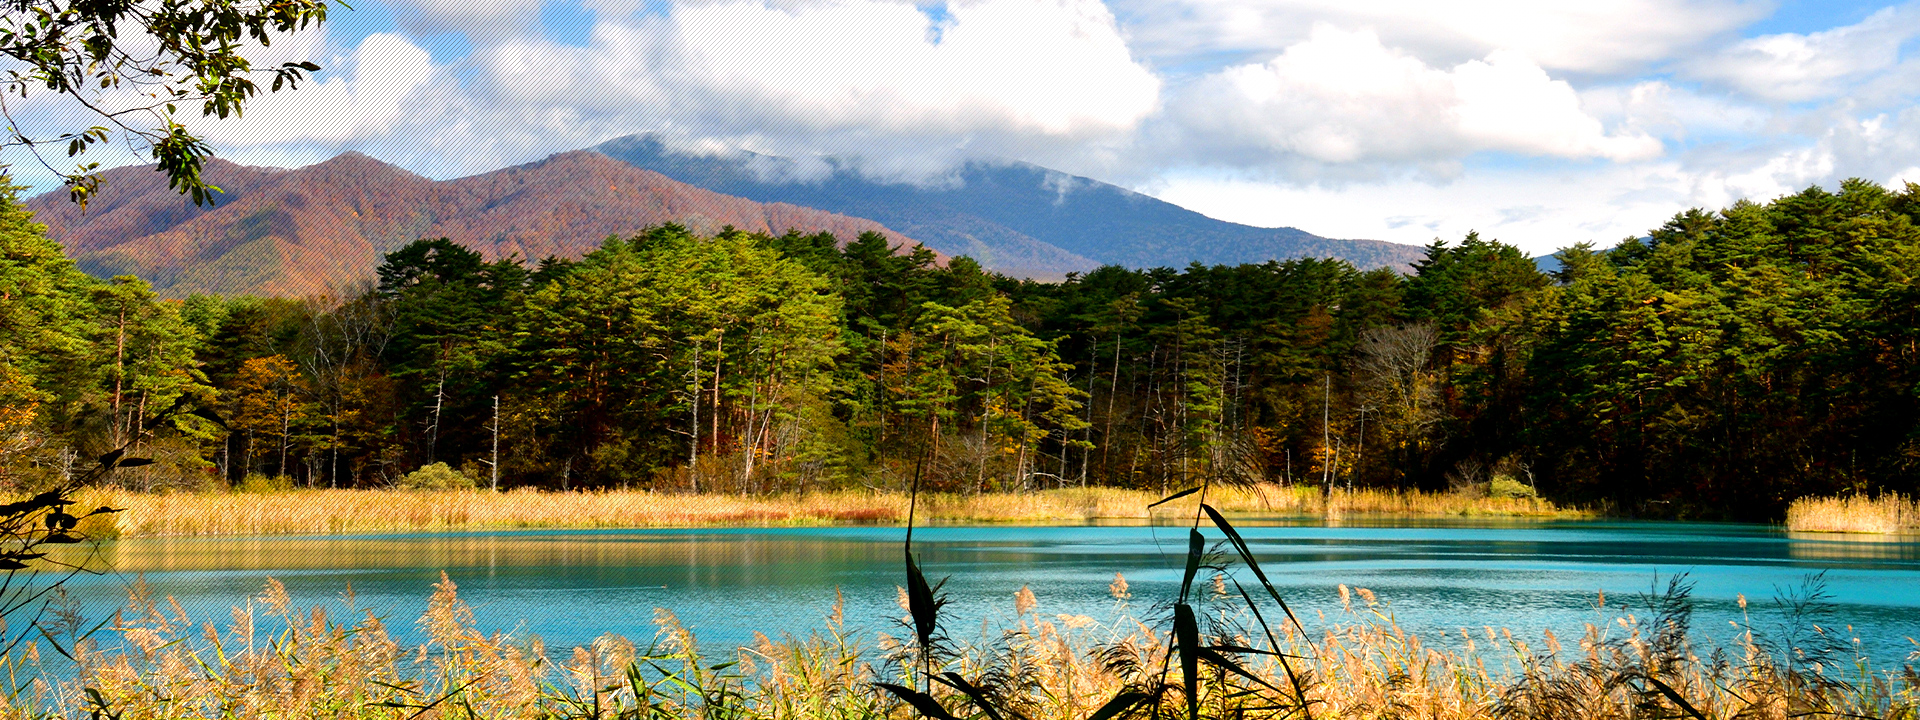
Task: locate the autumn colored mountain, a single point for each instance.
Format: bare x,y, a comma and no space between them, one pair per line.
296,232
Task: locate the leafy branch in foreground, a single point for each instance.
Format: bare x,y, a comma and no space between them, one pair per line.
30,528
179,52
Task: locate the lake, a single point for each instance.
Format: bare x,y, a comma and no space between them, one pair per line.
1438,577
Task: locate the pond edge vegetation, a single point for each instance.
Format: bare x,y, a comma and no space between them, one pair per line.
1222,649
308,512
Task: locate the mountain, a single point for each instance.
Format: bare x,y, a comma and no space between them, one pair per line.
296,232
1015,218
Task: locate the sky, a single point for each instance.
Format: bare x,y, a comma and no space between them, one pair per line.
1540,124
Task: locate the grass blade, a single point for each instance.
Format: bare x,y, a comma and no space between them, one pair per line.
1225,663
979,698
1246,554
1176,496
1675,697
1196,546
921,604
920,701
1118,706
1186,633
1240,545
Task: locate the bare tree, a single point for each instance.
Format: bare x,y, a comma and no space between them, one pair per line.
1395,380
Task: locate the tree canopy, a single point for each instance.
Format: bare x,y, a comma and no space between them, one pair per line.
1722,365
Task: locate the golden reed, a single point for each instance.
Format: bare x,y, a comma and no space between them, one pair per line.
350,511
1886,514
271,659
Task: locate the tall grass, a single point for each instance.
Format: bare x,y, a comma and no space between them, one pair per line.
1208,652
270,659
1885,514
346,511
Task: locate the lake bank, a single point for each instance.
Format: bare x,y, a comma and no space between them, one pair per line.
314,512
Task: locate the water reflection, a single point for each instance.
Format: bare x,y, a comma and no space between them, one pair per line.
570,586
1895,549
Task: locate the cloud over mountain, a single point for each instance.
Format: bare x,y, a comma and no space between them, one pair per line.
1293,102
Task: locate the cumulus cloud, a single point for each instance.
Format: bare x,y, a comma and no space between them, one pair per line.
843,75
1794,67
1343,98
1538,123
1883,148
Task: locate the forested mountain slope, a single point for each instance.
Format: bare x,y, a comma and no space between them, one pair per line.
296,232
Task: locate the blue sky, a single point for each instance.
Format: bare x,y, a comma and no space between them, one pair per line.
1540,124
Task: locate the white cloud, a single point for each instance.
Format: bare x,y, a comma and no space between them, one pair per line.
1544,209
1537,123
1601,36
840,75
1535,211
362,95
1660,109
1344,99
1794,67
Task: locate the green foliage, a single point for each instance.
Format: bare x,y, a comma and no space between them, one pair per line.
1506,487
436,477
264,484
167,55
1723,364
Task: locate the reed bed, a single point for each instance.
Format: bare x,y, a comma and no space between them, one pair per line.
270,659
353,511
1886,514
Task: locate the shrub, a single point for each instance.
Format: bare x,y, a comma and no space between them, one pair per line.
436,477
258,483
1506,487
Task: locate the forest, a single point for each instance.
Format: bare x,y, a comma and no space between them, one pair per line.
1719,367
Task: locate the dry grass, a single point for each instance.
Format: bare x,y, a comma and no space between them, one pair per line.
350,511
273,660
1886,514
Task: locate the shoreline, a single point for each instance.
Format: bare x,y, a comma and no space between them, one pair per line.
335,512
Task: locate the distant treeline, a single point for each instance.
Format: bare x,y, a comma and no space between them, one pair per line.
1719,367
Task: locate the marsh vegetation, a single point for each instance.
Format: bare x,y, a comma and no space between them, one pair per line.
304,511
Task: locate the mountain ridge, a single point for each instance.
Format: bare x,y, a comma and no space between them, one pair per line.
308,230
1014,217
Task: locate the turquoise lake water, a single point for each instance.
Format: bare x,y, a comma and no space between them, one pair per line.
568,587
